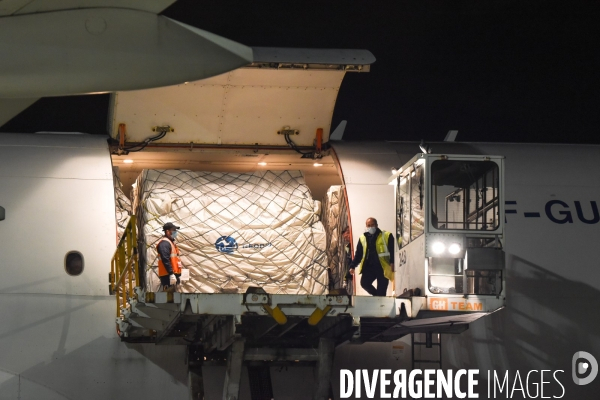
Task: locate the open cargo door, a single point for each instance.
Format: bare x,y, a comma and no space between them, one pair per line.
294,88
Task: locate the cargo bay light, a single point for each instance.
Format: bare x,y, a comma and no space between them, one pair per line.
448,271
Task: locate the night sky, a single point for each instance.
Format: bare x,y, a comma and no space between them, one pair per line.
500,71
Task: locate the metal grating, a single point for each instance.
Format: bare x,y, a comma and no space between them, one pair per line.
260,382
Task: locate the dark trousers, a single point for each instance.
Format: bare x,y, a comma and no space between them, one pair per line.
165,281
371,274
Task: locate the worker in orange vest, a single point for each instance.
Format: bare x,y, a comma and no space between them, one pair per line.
169,265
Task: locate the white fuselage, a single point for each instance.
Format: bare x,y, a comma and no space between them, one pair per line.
58,339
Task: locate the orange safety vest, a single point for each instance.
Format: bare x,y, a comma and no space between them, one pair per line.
162,271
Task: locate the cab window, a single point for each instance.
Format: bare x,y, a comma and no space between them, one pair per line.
465,195
417,225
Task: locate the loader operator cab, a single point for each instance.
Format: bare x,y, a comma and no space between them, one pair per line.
450,231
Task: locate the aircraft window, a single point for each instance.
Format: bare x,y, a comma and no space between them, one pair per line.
416,203
74,263
464,195
402,211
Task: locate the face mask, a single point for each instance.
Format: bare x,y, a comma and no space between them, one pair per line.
174,234
372,230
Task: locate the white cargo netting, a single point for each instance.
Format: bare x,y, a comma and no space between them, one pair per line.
335,220
237,230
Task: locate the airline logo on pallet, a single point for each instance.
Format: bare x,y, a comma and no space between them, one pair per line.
227,244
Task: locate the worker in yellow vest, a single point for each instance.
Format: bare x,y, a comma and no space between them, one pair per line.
169,265
374,257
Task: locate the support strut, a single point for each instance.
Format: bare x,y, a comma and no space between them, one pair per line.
233,374
324,367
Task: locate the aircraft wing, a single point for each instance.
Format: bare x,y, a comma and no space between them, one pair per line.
66,47
22,7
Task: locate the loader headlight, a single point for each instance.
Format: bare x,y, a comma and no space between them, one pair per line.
454,248
445,245
438,247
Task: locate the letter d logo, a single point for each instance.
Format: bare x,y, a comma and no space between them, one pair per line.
580,368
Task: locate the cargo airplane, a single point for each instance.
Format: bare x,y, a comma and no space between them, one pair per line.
495,243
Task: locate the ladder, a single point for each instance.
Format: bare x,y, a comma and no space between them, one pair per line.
428,343
124,272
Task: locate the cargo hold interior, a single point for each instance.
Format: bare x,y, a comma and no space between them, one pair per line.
320,176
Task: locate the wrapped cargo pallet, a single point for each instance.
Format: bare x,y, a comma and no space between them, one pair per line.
335,220
237,230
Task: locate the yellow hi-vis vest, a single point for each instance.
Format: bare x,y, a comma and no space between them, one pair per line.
382,252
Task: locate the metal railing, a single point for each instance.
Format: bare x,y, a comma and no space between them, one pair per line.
124,266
